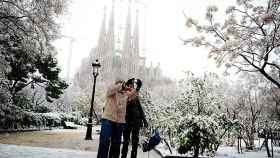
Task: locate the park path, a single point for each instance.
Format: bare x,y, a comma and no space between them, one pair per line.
57,143
17,151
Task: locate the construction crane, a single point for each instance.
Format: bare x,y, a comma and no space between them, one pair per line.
70,54
69,58
145,6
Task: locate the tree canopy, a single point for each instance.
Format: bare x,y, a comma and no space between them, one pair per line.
27,30
248,39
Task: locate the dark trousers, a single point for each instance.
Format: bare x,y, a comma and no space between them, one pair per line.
128,130
110,139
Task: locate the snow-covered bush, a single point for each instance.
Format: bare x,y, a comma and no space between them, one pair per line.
10,116
53,119
195,121
72,116
196,132
41,109
22,112
198,109
22,101
83,121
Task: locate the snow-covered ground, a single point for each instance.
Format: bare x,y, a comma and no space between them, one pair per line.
46,144
229,152
16,151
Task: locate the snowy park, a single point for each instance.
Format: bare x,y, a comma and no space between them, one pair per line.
140,78
70,142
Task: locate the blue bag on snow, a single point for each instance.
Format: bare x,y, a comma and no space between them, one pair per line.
153,141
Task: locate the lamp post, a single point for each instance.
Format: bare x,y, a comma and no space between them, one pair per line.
95,65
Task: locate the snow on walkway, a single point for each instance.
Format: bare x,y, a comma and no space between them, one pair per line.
16,151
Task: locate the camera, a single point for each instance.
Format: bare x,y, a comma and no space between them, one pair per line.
124,84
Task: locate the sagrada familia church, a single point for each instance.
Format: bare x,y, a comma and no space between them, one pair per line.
119,57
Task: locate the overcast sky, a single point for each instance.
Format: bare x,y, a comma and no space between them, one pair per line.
161,24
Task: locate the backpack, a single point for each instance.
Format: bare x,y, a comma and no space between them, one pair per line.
152,142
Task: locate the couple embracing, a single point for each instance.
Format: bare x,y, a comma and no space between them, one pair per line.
123,116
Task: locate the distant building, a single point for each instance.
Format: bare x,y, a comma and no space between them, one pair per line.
119,58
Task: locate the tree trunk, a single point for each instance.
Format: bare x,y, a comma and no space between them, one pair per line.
269,78
266,143
238,150
271,139
247,141
170,137
168,146
239,147
196,151
196,142
251,142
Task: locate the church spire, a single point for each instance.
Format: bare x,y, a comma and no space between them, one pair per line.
101,47
111,32
127,35
136,37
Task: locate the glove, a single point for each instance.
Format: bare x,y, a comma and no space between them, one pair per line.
123,85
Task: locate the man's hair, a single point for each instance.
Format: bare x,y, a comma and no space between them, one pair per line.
130,81
137,81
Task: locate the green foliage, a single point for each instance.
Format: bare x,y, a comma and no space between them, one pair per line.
27,29
41,109
186,142
5,96
50,71
36,69
197,132
27,103
21,100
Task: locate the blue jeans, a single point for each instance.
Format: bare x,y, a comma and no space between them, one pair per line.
110,136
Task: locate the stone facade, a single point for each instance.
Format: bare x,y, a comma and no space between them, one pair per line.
119,59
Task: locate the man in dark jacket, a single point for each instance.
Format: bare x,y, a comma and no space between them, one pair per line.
135,119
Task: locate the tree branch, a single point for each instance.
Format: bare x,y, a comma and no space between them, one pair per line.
246,59
275,65
240,68
262,71
260,26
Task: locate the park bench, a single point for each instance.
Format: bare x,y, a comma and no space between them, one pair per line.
69,125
